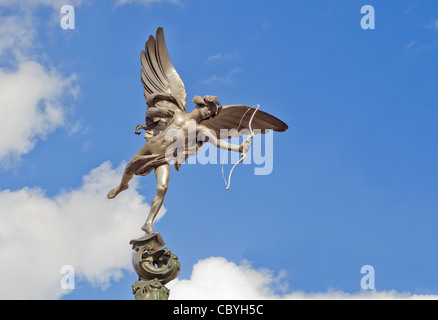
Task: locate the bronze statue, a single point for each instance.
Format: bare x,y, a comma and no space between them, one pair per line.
166,115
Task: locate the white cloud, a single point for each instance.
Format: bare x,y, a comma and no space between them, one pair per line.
81,228
31,100
216,278
32,96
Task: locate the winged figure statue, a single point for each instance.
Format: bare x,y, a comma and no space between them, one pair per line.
166,101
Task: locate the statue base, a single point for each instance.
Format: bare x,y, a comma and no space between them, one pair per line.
150,290
154,266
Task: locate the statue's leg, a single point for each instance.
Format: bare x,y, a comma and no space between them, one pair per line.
128,174
122,186
162,174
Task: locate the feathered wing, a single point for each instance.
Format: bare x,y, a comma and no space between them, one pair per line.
164,90
238,117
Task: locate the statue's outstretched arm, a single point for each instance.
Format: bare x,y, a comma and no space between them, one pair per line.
207,135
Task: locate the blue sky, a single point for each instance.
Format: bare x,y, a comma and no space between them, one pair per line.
354,180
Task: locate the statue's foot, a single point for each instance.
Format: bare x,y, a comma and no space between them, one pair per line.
148,228
113,193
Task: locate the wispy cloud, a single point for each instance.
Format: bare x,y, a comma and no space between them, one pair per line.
266,25
223,79
227,79
221,57
147,2
16,36
411,44
422,46
32,4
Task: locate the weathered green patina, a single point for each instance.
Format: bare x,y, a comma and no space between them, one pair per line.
154,266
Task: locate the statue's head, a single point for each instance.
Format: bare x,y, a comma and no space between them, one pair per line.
207,106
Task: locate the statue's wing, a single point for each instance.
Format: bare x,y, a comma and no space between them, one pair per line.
236,119
164,90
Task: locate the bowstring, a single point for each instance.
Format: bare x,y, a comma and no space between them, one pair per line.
226,153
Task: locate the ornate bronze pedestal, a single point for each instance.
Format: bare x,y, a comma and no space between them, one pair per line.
155,267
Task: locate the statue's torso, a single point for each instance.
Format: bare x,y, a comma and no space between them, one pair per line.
181,132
